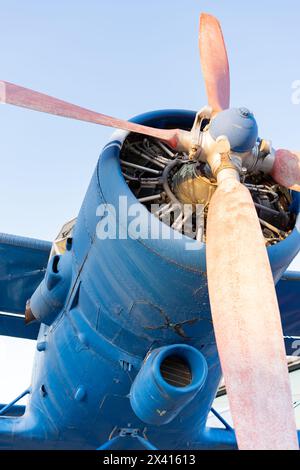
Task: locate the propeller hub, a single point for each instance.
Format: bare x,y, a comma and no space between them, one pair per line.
239,126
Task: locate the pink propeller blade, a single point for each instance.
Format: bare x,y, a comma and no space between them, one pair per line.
247,323
23,97
286,169
214,63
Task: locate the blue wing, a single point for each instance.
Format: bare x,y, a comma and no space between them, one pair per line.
288,293
23,263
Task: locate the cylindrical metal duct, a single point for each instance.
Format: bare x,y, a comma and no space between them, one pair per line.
168,380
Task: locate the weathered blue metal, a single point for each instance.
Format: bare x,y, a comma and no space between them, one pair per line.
14,325
221,419
125,298
50,296
5,409
22,267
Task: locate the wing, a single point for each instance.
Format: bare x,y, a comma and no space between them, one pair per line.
288,293
23,263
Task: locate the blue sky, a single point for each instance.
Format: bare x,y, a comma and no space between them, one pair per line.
121,58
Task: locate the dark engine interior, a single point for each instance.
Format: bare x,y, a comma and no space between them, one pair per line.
165,182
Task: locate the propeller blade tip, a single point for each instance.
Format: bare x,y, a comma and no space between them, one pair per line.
208,19
2,92
214,62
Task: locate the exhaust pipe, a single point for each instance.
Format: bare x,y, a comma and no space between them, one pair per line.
168,380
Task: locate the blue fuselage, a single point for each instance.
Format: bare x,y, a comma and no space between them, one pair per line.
126,297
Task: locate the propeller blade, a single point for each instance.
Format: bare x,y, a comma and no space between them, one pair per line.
286,169
214,63
247,322
26,98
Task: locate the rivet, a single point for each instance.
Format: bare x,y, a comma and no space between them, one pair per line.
117,309
80,393
245,112
41,346
83,339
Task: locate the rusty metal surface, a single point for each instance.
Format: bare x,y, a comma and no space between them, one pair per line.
214,63
26,98
244,307
286,169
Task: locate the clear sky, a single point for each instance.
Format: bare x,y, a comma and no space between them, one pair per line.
124,57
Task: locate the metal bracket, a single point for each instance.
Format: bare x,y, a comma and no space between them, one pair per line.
205,114
6,408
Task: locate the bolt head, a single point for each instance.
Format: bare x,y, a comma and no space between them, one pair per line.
245,112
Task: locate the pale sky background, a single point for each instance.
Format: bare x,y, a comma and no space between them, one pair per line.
121,57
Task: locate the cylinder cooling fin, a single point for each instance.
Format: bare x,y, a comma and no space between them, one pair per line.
176,371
